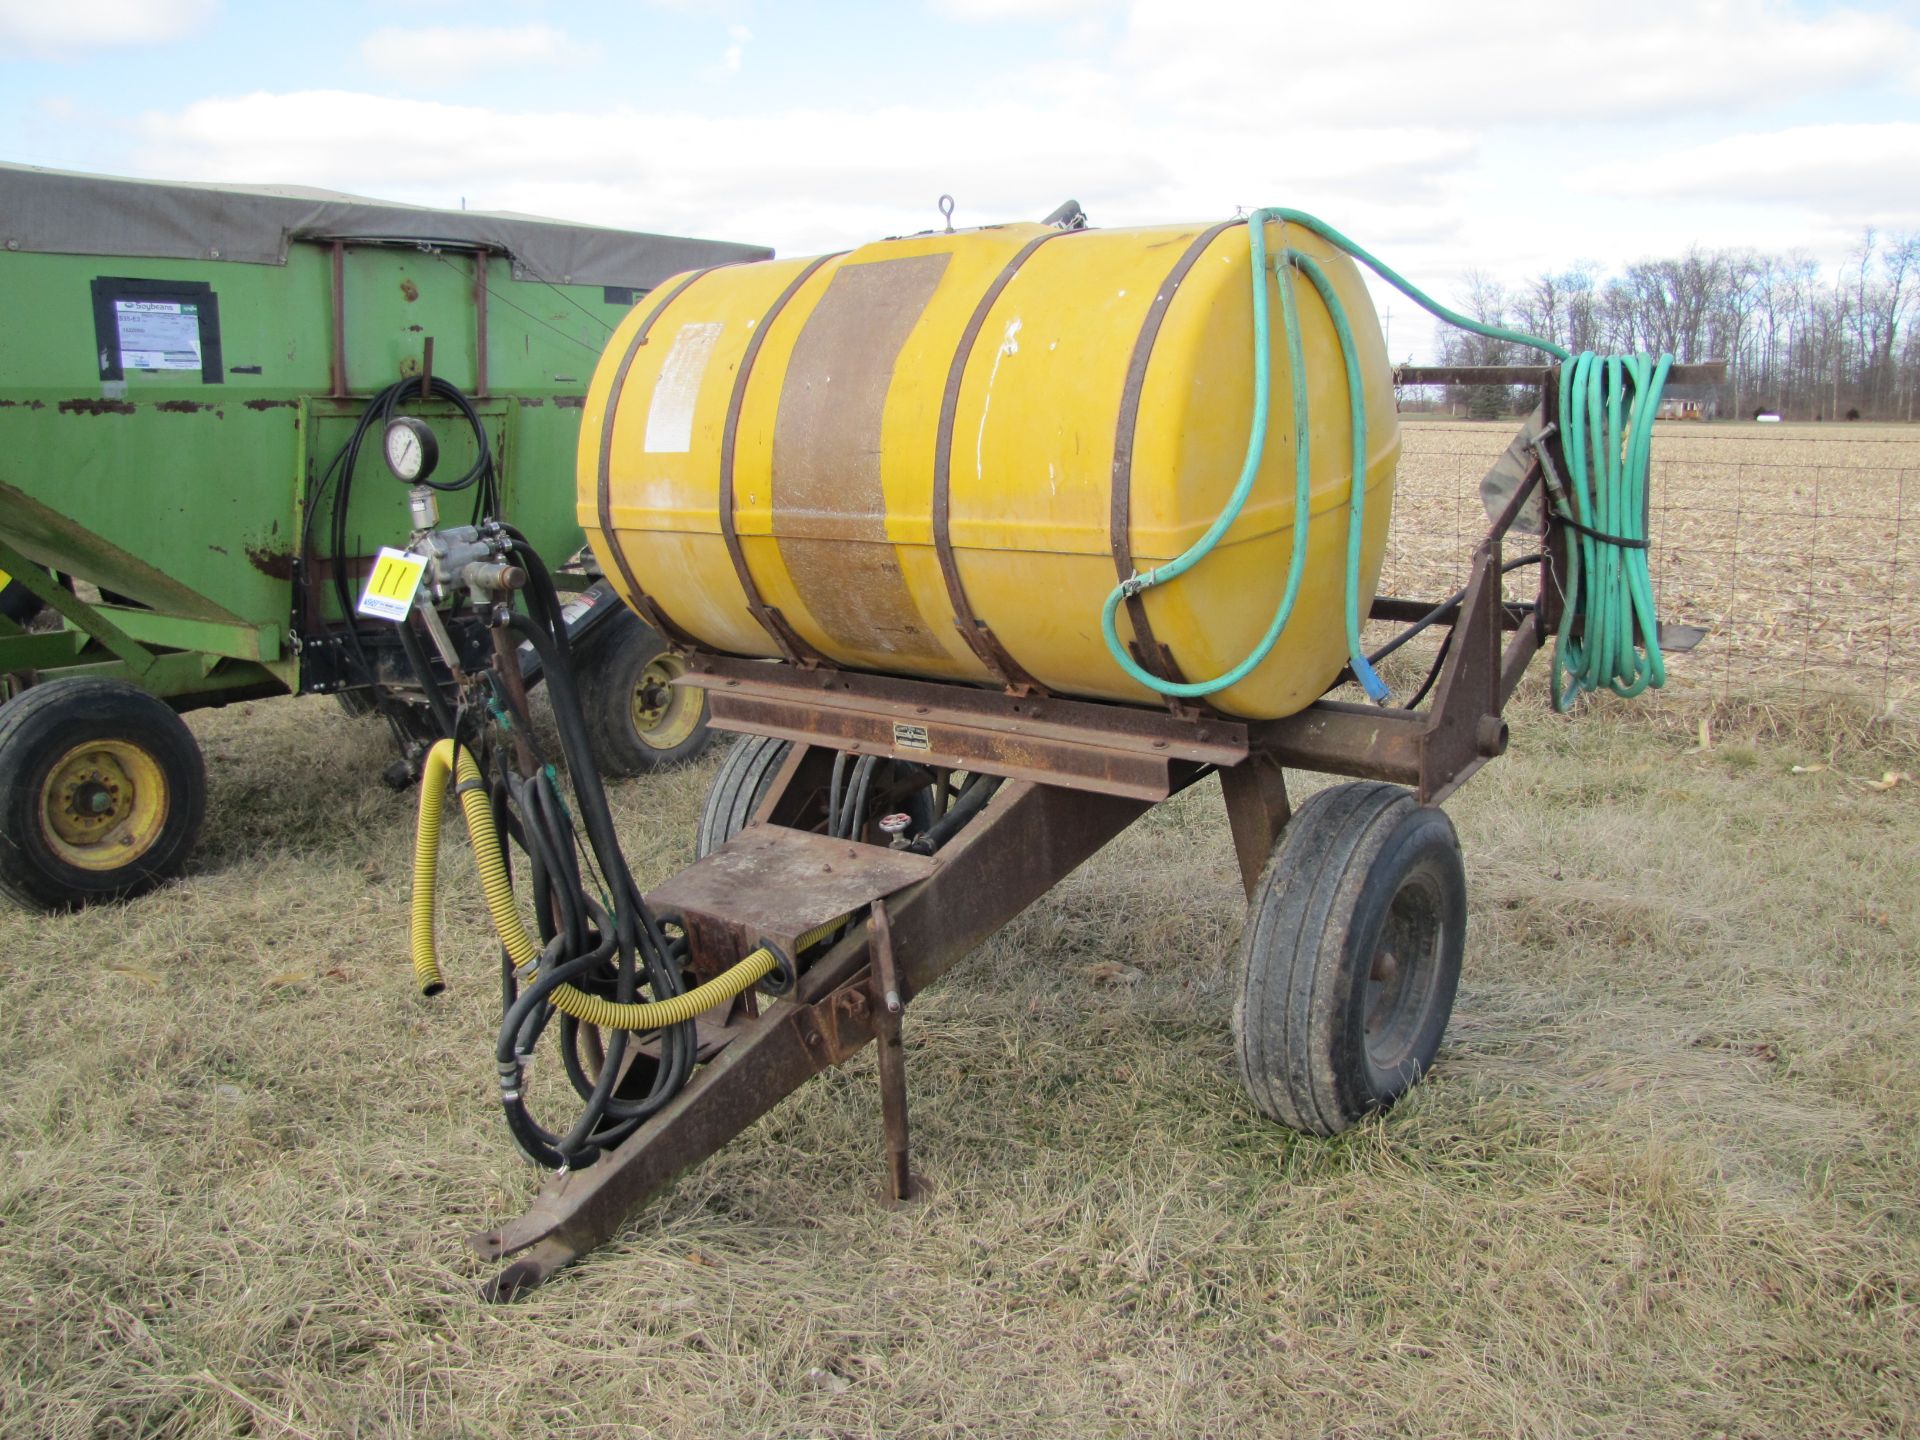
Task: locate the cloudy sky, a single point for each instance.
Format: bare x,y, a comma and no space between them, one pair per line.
1484,133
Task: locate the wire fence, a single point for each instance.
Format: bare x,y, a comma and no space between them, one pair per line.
1796,548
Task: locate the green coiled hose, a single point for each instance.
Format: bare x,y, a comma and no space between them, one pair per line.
1607,409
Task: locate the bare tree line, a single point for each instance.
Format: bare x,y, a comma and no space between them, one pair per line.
1798,342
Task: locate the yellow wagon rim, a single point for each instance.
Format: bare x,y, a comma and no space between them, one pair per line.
664,714
103,804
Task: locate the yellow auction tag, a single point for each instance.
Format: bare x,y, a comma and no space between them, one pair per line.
391,586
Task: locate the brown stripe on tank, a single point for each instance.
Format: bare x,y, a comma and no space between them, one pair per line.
638,598
830,513
1152,656
770,620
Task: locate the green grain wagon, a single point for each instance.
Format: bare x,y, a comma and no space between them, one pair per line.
186,372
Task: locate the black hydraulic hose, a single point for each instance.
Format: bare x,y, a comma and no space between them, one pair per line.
537,1143
855,820
635,926
1443,609
545,595
1426,622
840,758
553,907
625,939
1433,671
557,835
971,801
587,785
627,943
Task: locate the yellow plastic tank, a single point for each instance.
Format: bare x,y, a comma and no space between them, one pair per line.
935,456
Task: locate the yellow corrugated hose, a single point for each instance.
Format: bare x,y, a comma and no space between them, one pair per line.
448,759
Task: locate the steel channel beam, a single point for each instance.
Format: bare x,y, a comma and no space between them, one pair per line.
1108,749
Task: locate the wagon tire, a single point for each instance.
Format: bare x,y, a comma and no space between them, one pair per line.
739,786
1350,958
102,793
637,719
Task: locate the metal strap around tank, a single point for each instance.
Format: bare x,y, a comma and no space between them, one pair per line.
770,620
981,640
1148,651
640,600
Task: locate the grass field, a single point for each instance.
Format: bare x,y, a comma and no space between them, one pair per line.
1662,1181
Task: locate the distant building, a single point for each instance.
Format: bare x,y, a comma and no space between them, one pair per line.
1690,402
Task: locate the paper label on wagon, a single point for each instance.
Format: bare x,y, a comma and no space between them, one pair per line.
392,585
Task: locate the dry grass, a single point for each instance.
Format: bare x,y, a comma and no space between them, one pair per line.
1661,1182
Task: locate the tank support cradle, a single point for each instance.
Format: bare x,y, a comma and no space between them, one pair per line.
1078,774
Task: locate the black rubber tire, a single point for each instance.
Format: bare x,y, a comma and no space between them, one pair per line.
1350,958
39,729
610,667
18,603
737,790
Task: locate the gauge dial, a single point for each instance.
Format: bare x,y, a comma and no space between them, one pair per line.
412,450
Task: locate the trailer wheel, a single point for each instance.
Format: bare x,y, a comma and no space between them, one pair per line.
1350,959
637,719
102,791
737,790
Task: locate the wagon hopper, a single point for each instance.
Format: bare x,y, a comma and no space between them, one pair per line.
188,375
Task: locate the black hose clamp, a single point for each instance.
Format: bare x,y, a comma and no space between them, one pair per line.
785,973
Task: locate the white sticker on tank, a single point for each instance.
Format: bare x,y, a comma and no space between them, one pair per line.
670,416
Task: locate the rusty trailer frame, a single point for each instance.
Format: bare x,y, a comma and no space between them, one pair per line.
1076,774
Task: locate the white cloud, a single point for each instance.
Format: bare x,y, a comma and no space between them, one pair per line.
47,30
1439,137
1504,61
811,179
440,55
994,11
731,57
1859,173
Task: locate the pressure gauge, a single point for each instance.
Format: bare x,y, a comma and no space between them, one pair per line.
412,450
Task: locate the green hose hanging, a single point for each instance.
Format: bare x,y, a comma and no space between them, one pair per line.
1607,408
